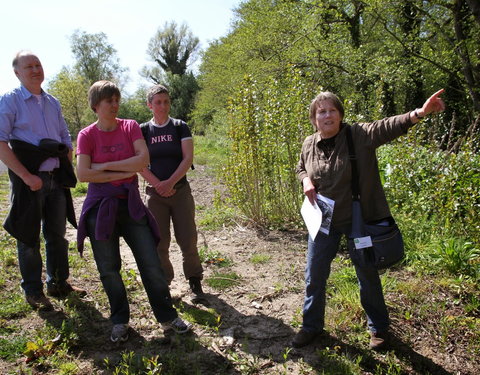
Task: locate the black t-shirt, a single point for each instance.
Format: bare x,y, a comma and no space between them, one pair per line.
327,146
165,146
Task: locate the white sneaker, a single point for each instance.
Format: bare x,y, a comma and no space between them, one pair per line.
177,325
119,333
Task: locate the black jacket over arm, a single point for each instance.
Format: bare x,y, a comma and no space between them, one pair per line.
24,219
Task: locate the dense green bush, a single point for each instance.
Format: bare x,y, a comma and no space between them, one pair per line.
442,188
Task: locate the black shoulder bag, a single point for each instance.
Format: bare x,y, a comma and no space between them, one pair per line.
378,245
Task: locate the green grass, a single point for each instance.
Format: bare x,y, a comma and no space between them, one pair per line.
11,349
13,306
260,258
204,317
344,296
223,280
80,189
170,363
334,361
211,151
218,215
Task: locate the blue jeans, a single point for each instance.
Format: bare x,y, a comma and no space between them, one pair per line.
321,252
138,236
54,213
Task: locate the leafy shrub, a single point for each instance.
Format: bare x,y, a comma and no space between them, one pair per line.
458,256
268,123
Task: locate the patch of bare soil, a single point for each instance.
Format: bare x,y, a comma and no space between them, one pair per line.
262,312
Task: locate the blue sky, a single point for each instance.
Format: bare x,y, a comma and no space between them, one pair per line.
44,27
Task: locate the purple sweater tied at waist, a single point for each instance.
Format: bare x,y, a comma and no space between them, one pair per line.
106,195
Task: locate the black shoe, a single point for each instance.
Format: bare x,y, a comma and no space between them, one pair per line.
177,325
303,338
119,333
197,292
63,290
39,302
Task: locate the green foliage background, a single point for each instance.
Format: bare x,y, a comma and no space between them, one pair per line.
382,58
441,188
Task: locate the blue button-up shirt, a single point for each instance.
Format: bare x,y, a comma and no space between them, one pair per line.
29,118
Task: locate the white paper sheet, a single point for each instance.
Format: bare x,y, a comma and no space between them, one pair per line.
318,217
312,215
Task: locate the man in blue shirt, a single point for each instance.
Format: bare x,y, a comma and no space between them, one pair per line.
28,117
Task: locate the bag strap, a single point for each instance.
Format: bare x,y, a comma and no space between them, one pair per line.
358,225
144,128
353,160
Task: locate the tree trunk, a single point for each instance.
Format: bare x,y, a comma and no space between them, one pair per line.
471,74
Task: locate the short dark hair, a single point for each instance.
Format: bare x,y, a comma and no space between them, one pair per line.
325,95
157,89
102,90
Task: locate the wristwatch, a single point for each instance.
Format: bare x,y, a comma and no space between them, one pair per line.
417,115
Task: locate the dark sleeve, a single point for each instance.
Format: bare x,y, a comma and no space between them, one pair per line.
380,132
185,131
300,169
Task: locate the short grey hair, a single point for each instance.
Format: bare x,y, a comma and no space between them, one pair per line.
325,95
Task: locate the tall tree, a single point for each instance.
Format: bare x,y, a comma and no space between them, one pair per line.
410,26
380,56
96,59
172,49
183,89
463,36
475,8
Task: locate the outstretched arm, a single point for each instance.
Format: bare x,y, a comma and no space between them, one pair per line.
433,104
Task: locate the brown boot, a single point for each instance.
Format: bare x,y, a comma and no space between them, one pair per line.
39,302
379,340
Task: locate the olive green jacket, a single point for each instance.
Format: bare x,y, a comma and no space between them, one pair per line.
332,176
